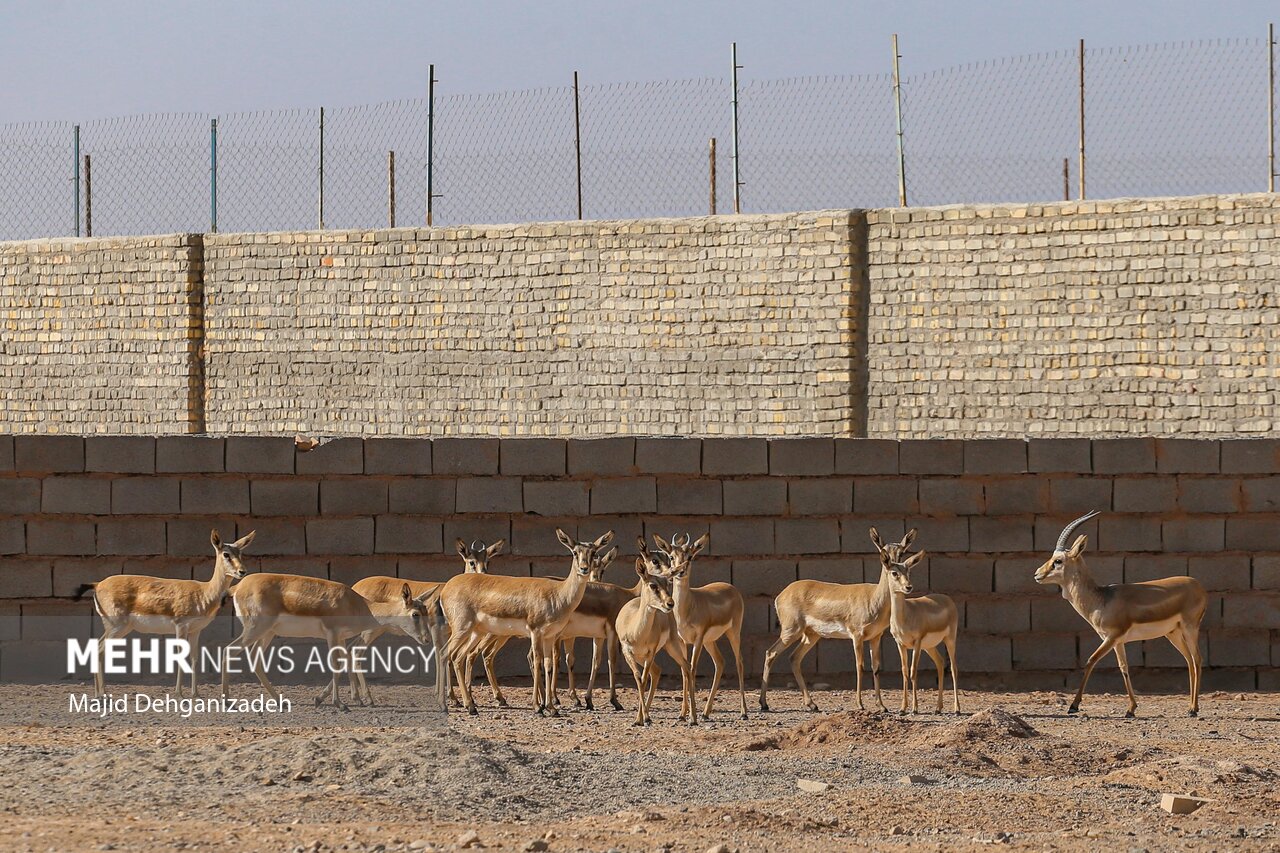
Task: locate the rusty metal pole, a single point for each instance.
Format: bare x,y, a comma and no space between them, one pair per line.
1080,168
75,178
391,189
1271,108
88,198
577,139
1066,179
737,174
431,138
320,198
713,175
897,106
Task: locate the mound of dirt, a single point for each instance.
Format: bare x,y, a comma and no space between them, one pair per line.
1190,774
846,727
994,727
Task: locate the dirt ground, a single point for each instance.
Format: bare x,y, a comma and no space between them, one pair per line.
1014,770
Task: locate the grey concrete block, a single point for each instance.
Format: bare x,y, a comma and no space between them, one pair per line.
284,497
27,579
995,456
1048,528
669,455
1080,494
13,536
409,534
997,615
1266,572
362,496
120,454
807,535
1188,455
1244,533
79,495
602,456
986,653
397,456
960,574
996,534
210,496
188,454
733,537
20,495
1250,456
339,456
886,497
1253,610
1221,572
866,456
1128,533
855,536
259,454
1059,455
431,569
475,456
532,536
490,494
10,621
145,495
558,497
70,574
1016,495
1193,534
755,497
1262,494
351,570
61,538
61,620
533,456
624,495
340,536
735,456
951,496
1209,494
1239,648
1149,567
1054,615
1144,494
436,496
690,497
825,496
931,456
48,454
275,536
189,537
1018,575
802,457
762,577
1044,651
487,530
132,536
6,453
843,570
1124,455
942,534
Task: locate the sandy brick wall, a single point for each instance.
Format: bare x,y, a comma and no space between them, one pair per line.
1140,317
719,325
101,335
74,510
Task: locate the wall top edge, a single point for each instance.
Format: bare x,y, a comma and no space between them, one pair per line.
183,239
325,439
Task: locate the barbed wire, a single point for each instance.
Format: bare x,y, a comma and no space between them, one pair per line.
1169,119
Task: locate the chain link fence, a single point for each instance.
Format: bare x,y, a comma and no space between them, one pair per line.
1172,119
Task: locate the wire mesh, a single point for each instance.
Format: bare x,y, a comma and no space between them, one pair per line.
1168,119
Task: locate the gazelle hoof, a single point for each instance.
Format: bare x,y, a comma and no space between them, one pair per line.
744,715
812,706
473,712
1129,715
1194,712
617,706
590,707
1074,709
764,706
502,702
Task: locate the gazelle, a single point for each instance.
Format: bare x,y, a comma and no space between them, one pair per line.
594,618
705,614
128,603
646,626
475,560
271,605
809,611
921,625
478,607
1128,612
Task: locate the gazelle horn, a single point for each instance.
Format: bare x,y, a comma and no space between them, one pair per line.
1070,528
680,540
477,545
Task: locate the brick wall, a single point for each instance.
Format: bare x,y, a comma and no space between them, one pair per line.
74,510
100,335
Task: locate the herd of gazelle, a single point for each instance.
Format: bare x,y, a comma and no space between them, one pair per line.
662,612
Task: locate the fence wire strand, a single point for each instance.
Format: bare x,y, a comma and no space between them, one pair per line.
1171,119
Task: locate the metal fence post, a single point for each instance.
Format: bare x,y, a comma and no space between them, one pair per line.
88,198
737,175
1271,108
431,134
75,177
713,175
577,138
391,189
213,176
1080,168
897,108
1066,179
320,199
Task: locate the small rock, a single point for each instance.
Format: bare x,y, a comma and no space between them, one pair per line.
537,845
914,779
812,786
470,838
898,830
1178,804
821,685
719,848
267,781
300,776
638,829
420,844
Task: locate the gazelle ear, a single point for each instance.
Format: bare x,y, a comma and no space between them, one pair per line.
640,567
495,548
1078,547
915,558
215,539
908,539
661,543
462,548
875,540
565,539
642,545
422,599
243,542
604,539
608,557
407,595
702,542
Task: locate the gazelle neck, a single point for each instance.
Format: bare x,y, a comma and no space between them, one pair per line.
1079,588
680,594
217,586
570,589
883,592
381,612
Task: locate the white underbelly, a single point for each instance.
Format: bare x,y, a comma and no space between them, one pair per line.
1151,630
290,625
149,623
829,630
502,627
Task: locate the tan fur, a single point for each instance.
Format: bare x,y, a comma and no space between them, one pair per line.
809,611
645,625
594,619
129,603
920,625
1121,613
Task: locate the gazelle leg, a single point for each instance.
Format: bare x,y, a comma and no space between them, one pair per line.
717,660
735,644
487,655
1123,659
108,633
779,646
177,633
256,649
955,683
1098,655
638,675
1179,640
876,658
807,643
597,646
906,677
655,675
942,679
612,640
548,645
675,648
857,667
915,679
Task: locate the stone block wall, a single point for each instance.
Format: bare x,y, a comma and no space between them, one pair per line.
1136,316
710,326
101,335
76,509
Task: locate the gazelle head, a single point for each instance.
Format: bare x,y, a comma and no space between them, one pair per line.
891,552
585,553
899,569
414,619
656,591
230,554
1054,570
680,552
655,563
600,562
475,557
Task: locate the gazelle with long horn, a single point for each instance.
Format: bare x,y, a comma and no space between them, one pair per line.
1128,612
809,611
128,603
920,624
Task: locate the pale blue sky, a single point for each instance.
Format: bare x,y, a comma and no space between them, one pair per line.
78,61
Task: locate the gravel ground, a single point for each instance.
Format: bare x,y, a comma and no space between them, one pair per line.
1013,771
